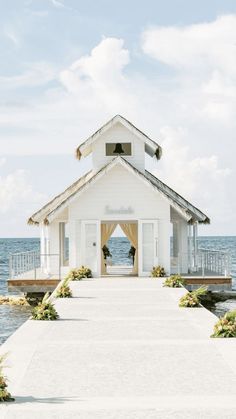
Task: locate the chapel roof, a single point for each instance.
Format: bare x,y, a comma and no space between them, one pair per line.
151,147
47,213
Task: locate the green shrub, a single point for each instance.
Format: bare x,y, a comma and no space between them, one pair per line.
45,310
64,291
158,271
79,273
192,299
226,326
5,396
174,281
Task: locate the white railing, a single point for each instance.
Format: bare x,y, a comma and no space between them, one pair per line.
34,265
205,262
215,261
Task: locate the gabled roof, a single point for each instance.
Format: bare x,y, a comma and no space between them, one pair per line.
41,215
195,213
182,206
151,147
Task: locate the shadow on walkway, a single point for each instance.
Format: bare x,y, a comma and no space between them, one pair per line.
72,320
54,400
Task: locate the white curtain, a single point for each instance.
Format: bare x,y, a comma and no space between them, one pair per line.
131,231
106,232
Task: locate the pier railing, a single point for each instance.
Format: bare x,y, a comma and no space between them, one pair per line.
204,262
215,261
34,265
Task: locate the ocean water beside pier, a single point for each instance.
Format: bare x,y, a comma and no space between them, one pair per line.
11,317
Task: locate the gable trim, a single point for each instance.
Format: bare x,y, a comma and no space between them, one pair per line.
118,160
151,147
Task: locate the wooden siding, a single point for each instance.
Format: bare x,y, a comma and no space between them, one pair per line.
144,201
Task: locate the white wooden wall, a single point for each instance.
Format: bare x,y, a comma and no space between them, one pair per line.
108,191
144,201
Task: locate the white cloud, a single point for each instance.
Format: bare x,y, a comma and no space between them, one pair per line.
204,58
39,13
201,46
36,74
11,34
99,74
218,85
105,63
201,180
2,161
197,105
18,200
57,3
17,193
186,174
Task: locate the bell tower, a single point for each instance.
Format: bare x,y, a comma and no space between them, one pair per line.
118,137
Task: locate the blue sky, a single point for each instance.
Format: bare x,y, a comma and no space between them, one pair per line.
68,66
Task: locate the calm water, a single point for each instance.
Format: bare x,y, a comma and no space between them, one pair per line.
13,317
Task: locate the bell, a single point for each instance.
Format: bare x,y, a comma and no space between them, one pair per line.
118,149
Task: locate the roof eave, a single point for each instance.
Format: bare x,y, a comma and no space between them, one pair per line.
31,221
198,220
153,151
187,214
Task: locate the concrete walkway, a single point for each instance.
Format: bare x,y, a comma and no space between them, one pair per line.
123,349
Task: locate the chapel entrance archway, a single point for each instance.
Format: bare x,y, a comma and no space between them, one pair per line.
130,230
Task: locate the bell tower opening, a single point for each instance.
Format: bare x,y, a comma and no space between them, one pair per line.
117,149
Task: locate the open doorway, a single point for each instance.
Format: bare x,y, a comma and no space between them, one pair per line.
119,248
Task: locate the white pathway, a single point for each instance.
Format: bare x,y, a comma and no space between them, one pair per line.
123,349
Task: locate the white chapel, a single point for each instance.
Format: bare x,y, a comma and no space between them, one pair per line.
160,224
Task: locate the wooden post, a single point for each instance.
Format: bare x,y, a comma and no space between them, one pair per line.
62,243
195,246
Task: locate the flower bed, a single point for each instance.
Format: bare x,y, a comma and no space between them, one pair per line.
158,272
192,299
64,291
174,281
226,326
79,273
5,396
45,310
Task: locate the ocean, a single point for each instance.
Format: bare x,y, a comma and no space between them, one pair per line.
11,317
